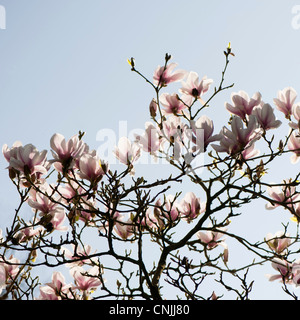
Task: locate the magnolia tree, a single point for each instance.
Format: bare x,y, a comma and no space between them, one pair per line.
108,234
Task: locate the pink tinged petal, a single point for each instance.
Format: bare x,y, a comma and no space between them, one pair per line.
285,100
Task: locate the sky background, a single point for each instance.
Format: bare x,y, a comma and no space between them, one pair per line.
63,69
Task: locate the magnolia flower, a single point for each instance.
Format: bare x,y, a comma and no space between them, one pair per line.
265,116
124,229
127,152
190,206
27,234
172,103
165,75
55,290
41,199
91,168
64,152
26,159
54,220
211,238
171,208
240,139
294,145
11,267
195,88
278,242
283,194
86,280
78,255
201,133
284,270
150,141
242,104
285,101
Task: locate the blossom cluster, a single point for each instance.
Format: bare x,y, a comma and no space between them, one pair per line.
177,133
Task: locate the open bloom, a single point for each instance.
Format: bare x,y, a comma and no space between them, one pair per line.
86,280
294,145
201,133
211,238
65,152
26,159
281,194
172,103
91,168
284,270
242,104
240,139
150,141
285,101
278,242
165,75
124,228
41,199
265,116
126,151
191,207
77,255
56,289
194,87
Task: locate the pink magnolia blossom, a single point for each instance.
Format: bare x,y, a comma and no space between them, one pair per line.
172,104
165,75
278,242
26,159
27,233
265,116
127,152
171,208
57,289
201,133
191,207
54,220
91,168
211,238
149,220
173,133
285,101
41,199
86,280
194,87
78,256
283,268
11,266
150,141
58,217
294,145
240,139
66,152
281,194
124,228
242,104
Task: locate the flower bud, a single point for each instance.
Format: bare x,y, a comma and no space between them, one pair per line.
153,108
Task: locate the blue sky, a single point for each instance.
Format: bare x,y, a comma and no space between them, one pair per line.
63,64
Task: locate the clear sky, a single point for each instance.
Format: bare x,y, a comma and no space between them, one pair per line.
63,67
